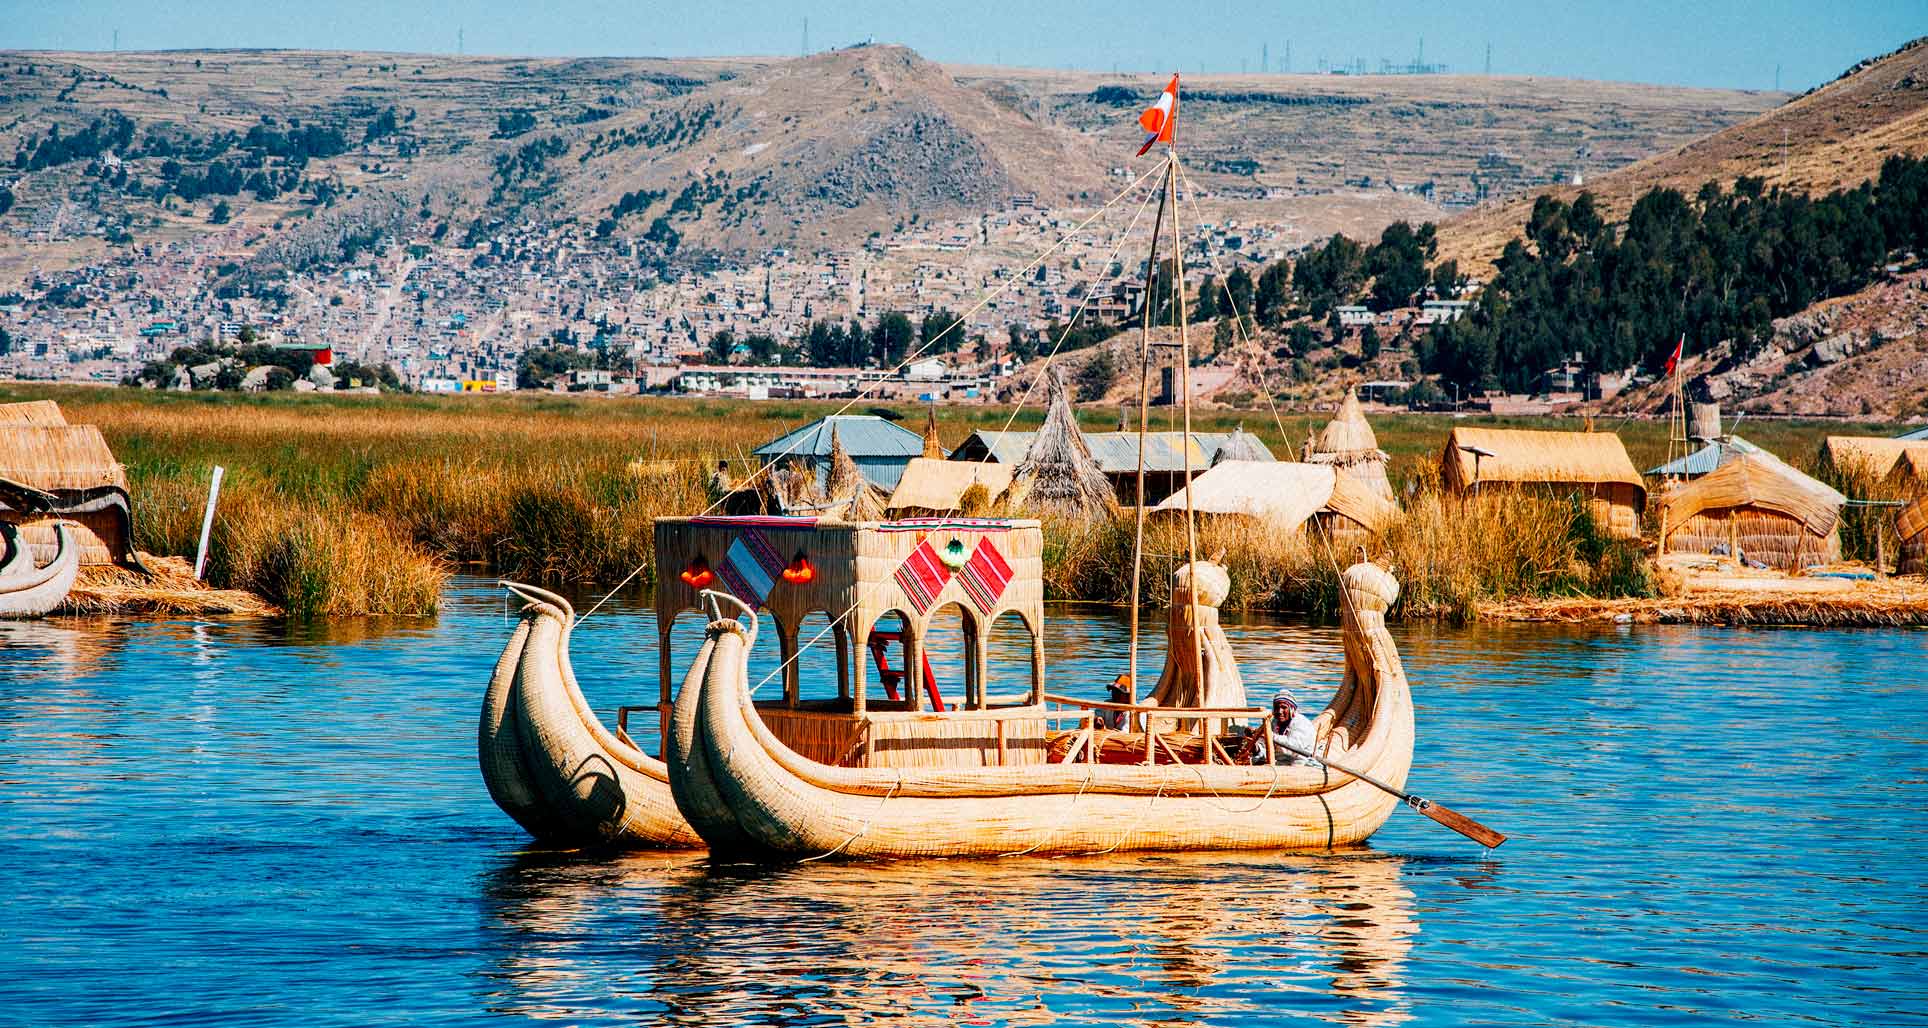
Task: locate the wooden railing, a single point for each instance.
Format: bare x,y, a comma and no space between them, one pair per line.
1149,715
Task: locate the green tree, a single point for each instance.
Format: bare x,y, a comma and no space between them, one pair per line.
722,345
763,347
1207,307
1097,376
220,214
1273,294
890,338
1369,343
1239,284
932,335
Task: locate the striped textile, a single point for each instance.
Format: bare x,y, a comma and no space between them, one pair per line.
922,576
946,525
985,575
753,521
750,567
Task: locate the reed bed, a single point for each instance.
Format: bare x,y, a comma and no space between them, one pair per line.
363,504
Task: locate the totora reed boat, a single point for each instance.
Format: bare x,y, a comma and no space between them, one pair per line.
27,591
994,769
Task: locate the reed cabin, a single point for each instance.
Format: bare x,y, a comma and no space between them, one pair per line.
883,586
1591,465
52,471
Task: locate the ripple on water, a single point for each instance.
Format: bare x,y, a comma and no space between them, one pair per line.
248,824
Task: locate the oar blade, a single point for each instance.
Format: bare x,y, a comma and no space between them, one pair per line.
1458,822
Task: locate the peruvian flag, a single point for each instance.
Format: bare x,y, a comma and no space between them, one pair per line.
1674,360
1160,118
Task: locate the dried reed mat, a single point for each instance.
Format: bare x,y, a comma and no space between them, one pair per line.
32,412
168,587
57,456
1886,603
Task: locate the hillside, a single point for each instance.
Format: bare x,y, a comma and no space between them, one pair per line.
1833,137
814,153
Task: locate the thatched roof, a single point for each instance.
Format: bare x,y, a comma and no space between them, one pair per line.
32,412
1525,456
1347,438
939,485
1751,482
1910,473
1058,474
932,448
1913,519
1866,454
1241,445
846,492
1280,494
58,457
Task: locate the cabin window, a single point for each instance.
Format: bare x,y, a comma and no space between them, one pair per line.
1014,663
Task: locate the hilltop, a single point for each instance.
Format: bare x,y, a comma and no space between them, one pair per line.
737,156
1832,137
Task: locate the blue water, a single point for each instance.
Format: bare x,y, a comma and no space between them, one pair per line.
252,824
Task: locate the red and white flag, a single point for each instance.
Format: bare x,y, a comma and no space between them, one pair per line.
1674,361
1160,118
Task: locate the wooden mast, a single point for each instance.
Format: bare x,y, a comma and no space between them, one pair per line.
1144,417
1185,444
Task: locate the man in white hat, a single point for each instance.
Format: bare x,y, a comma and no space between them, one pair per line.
1285,731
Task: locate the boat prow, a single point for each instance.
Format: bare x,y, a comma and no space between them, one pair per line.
27,591
764,798
550,763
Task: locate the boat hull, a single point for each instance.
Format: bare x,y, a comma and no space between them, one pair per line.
780,804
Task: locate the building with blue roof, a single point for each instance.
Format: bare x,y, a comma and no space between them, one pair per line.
880,447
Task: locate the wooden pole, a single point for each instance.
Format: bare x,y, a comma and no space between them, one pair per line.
1185,447
1144,421
207,522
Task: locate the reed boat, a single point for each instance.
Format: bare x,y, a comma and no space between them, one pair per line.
547,759
993,776
27,591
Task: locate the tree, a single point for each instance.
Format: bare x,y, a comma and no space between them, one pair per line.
1207,306
1447,279
1331,275
1239,284
220,214
539,365
1398,264
1097,376
722,345
890,338
1274,291
932,330
6,199
763,347
1369,343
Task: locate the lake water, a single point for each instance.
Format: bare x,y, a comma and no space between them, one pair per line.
253,824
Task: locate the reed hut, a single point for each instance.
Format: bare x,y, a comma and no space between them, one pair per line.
1864,456
1285,498
52,471
1590,464
1058,474
932,488
1349,445
1756,508
1241,446
848,495
1912,526
32,412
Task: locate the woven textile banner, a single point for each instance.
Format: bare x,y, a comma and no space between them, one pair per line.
985,575
750,567
922,576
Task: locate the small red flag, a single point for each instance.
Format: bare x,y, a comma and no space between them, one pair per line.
1161,118
1674,361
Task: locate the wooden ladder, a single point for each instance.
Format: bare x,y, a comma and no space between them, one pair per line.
892,677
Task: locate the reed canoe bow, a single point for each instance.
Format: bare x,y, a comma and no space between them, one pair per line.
791,807
30,592
551,764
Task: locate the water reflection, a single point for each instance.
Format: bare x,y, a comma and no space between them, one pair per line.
1146,940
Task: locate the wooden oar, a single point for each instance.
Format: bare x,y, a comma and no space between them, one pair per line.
1453,819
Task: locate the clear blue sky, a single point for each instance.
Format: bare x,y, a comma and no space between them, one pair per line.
1733,43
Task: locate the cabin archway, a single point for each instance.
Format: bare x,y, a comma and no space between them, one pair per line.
954,653
1013,651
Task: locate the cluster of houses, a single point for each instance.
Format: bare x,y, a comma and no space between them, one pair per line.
1727,499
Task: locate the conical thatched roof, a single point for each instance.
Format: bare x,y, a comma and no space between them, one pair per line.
847,494
1241,445
932,448
1058,475
1349,445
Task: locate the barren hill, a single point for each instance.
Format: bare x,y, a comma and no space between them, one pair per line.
1833,137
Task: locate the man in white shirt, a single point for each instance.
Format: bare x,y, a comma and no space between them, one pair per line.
1288,727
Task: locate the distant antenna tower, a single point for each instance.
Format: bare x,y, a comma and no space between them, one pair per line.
459,42
1288,57
1777,78
1420,62
806,38
1265,59
1777,68
1489,57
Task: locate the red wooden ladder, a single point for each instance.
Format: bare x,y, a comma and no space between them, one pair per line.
892,677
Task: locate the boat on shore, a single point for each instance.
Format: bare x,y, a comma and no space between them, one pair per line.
29,591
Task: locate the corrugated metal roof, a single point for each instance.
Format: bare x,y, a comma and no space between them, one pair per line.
1704,460
1115,452
862,435
1918,435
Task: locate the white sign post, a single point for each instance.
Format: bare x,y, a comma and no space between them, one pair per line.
207,522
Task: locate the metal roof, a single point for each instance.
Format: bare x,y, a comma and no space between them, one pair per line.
862,435
1707,458
1919,434
1115,452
